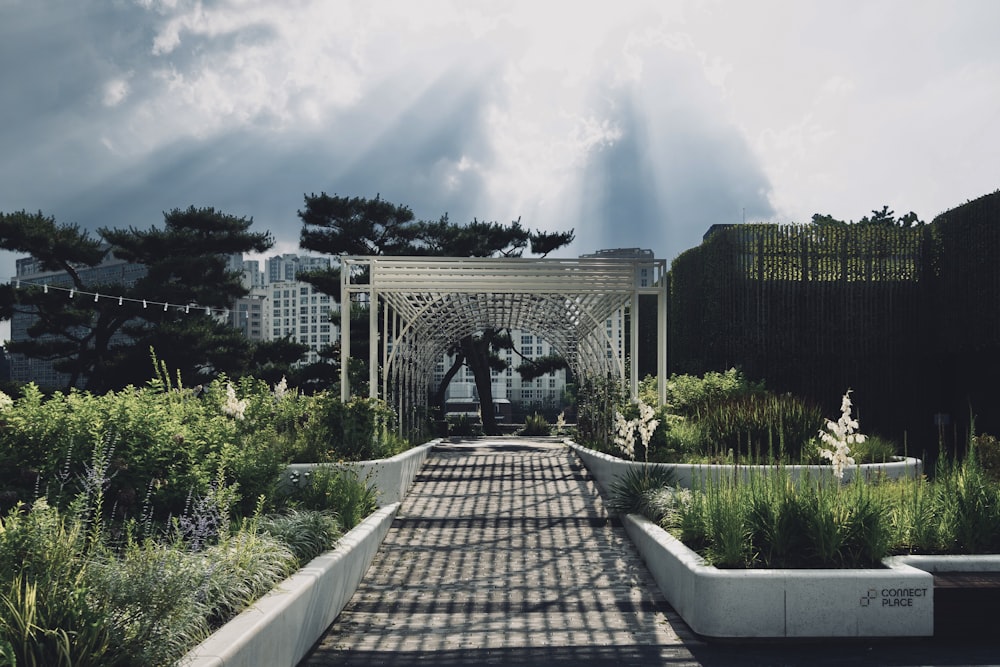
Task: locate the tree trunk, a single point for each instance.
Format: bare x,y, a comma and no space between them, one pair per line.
439,396
477,351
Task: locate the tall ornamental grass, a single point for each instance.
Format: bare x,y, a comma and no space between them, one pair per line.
767,520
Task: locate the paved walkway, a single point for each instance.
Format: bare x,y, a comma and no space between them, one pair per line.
502,554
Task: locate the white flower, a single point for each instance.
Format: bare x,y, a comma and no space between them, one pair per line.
5,401
625,434
840,435
647,424
233,406
281,389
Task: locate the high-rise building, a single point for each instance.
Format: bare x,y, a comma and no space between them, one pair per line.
280,307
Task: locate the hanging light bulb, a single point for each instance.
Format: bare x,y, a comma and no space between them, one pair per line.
187,309
72,291
143,303
120,299
46,288
208,311
165,307
17,284
96,297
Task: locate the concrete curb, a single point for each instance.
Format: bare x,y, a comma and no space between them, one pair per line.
281,627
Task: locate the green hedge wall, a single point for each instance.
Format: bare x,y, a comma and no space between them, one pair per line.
907,317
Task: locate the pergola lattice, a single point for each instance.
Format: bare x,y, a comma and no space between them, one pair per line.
420,306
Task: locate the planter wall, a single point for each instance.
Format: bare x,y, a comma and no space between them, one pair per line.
895,601
392,477
606,469
281,627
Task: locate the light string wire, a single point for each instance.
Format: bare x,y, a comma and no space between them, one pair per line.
122,300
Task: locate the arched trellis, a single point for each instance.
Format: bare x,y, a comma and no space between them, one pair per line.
421,305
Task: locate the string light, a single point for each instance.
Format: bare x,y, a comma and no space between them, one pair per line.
72,292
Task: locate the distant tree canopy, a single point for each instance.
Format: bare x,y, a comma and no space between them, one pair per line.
103,344
883,218
337,225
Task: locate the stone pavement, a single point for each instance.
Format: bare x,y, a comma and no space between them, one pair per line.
503,554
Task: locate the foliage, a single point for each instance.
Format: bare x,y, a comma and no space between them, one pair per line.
768,520
69,599
628,494
536,424
102,343
760,424
888,306
986,449
334,488
463,426
164,444
690,395
307,533
598,399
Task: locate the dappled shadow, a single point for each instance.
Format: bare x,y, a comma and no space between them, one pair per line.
503,554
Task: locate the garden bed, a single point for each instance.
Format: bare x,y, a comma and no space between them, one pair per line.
281,627
895,600
607,469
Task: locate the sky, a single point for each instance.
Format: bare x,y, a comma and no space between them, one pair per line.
637,123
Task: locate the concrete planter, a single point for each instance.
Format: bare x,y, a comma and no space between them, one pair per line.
392,477
606,469
281,627
897,601
894,601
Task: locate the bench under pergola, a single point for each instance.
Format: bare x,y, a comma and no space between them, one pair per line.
420,306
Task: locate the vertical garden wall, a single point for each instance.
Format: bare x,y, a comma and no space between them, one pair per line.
907,317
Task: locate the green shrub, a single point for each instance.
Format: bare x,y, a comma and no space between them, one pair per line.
689,395
536,425
335,489
463,426
629,492
986,449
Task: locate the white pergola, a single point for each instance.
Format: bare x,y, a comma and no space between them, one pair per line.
420,306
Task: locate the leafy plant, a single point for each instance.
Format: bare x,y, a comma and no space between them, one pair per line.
536,425
307,533
335,489
629,492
